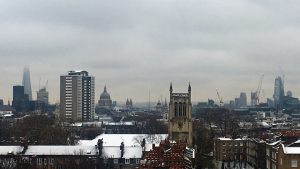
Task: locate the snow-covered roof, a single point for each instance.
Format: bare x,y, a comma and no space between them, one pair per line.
60,150
230,139
274,143
128,139
291,150
109,151
127,123
224,139
129,152
111,146
5,150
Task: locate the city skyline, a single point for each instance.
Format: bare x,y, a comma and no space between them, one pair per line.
137,46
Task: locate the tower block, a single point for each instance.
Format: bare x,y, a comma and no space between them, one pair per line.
180,116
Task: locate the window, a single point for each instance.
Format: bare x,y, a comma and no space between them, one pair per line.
224,150
280,161
127,161
39,161
224,144
116,161
51,161
268,152
137,161
294,163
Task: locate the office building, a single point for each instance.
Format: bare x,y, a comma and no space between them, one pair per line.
243,99
20,100
26,83
42,96
77,95
278,92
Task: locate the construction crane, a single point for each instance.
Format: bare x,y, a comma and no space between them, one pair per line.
219,97
259,89
46,84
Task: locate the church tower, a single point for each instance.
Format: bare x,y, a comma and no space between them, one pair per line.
180,116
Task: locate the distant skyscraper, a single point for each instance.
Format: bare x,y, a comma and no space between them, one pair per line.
20,100
243,99
237,102
253,99
289,93
1,102
77,95
42,96
278,92
26,83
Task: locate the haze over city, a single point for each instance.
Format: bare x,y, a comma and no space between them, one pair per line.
137,46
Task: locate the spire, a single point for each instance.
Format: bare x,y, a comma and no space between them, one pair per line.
105,88
171,88
190,89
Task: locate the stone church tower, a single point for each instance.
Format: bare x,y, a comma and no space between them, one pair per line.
180,116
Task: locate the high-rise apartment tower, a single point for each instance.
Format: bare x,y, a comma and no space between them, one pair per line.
77,96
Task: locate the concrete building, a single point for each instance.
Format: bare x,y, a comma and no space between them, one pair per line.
180,116
42,96
77,96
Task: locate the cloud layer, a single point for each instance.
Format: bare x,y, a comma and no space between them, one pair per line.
134,46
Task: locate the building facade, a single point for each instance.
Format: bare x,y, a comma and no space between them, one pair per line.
77,96
20,100
180,116
42,96
243,99
278,92
26,83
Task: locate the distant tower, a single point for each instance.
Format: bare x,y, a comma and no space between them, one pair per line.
253,99
180,116
42,96
243,99
77,95
26,83
289,93
278,92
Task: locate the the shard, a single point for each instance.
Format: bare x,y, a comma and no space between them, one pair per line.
26,83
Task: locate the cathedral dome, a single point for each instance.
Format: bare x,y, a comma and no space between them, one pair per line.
104,95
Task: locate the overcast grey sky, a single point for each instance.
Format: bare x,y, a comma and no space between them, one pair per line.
136,45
